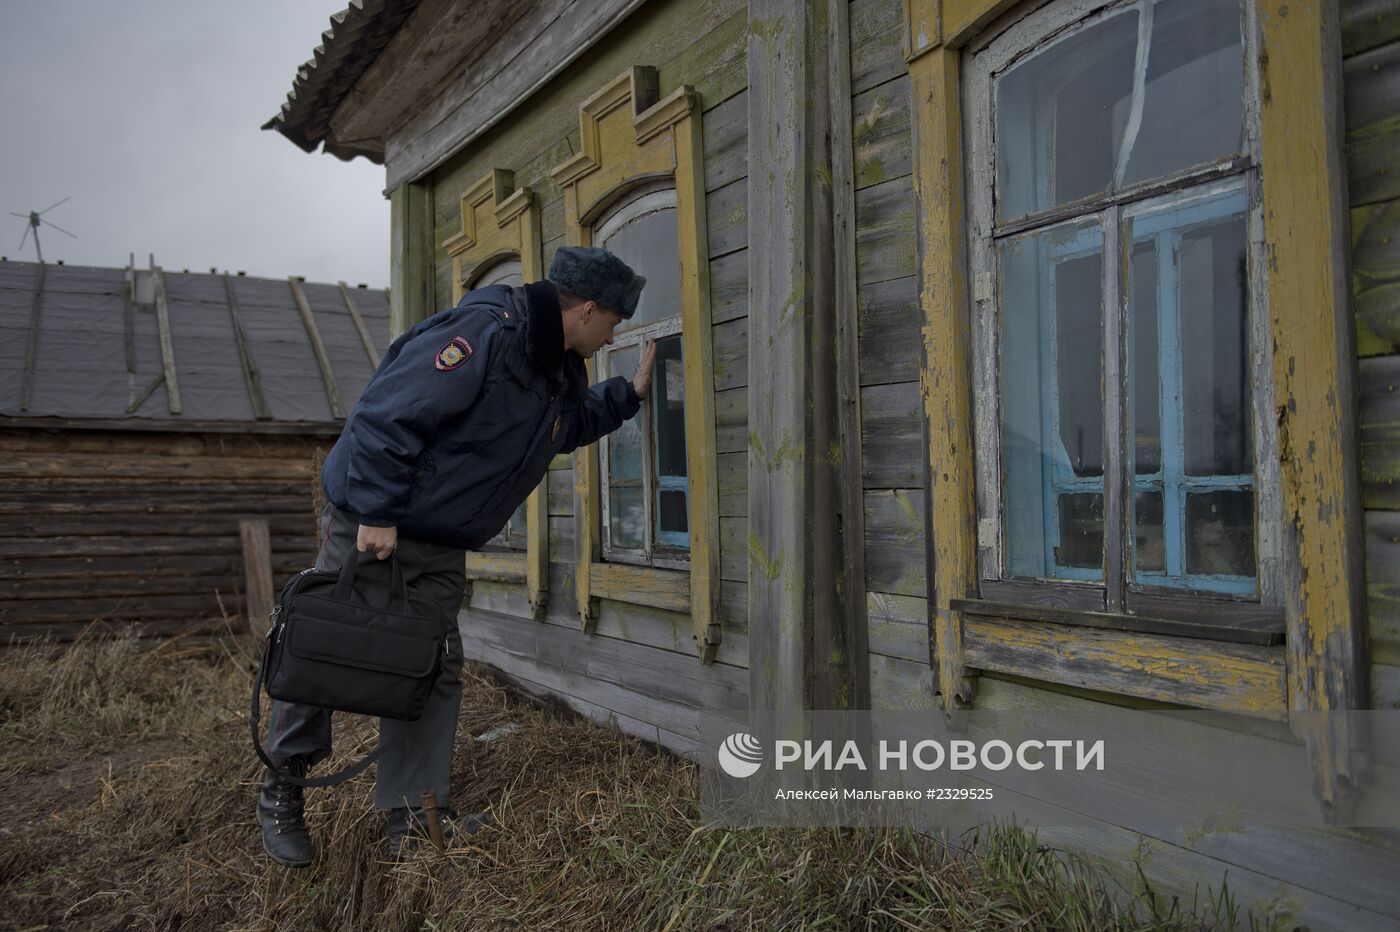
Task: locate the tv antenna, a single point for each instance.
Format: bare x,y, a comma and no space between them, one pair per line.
33,221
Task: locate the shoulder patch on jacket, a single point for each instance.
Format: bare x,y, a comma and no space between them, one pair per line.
456,352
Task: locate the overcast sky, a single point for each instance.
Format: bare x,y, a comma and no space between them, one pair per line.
147,113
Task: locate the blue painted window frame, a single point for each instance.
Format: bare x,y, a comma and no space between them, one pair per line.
1165,221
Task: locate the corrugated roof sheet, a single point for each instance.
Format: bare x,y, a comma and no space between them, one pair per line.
356,37
90,363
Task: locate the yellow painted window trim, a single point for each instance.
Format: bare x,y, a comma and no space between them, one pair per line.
1322,665
630,138
501,223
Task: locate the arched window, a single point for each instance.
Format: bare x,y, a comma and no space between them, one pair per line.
645,486
507,272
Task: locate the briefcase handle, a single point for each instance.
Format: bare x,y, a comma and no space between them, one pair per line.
345,583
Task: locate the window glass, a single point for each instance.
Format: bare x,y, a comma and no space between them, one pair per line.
1060,117
668,407
502,273
1190,398
1193,102
1137,94
1052,409
650,244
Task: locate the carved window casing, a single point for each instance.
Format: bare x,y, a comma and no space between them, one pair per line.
640,163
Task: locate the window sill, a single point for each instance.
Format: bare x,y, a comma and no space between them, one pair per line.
496,566
1247,624
1189,665
641,585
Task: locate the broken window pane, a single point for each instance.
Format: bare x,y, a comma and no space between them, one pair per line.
1193,105
1060,116
1052,407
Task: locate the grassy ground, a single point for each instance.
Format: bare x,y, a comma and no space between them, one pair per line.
127,787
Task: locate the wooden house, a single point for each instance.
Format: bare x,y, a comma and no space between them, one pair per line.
145,417
1015,354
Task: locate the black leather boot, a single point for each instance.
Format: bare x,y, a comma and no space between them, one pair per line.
281,813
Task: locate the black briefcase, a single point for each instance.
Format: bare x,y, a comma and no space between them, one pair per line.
351,647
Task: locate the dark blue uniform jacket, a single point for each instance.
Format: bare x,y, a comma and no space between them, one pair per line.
465,412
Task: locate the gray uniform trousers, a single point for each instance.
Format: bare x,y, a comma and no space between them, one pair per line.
419,754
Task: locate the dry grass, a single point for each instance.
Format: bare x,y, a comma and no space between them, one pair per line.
128,804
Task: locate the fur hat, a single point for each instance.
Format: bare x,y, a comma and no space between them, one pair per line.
597,275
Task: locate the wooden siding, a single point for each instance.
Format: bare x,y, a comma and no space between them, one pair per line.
140,530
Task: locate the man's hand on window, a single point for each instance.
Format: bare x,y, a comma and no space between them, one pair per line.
641,382
382,540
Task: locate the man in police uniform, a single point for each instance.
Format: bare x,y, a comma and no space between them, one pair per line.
451,434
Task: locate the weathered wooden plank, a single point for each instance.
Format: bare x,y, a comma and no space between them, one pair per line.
167,346
894,542
62,631
1383,584
733,474
665,630
668,589
1378,384
898,626
1369,23
252,380
561,493
257,573
885,241
35,589
1232,677
496,566
1385,686
1372,94
246,498
729,287
26,611
46,548
1375,277
881,133
876,56
713,64
889,331
32,350
45,440
562,537
897,684
150,524
732,421
523,59
318,348
77,569
733,548
891,436
56,465
726,135
731,354
371,351
727,218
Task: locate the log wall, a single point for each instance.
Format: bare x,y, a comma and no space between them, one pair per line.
138,530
